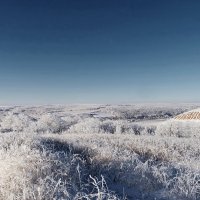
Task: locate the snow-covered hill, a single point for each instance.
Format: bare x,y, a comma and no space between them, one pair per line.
136,151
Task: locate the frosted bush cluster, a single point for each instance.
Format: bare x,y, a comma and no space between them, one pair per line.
90,126
16,122
179,128
134,128
86,126
51,123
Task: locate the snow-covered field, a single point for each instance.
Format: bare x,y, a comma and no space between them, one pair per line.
99,152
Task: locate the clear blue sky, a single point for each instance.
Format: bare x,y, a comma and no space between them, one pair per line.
99,51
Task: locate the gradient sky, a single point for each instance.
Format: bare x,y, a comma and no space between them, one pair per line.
99,51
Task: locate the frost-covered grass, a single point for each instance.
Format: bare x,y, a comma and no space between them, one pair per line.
151,166
98,152
32,169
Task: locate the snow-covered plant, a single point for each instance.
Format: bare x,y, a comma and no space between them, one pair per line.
179,128
71,120
108,127
93,125
89,125
51,123
16,122
123,126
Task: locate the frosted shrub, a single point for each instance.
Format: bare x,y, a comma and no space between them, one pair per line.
137,129
71,120
108,127
92,125
149,130
132,128
16,122
125,127
121,126
87,126
179,128
51,123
